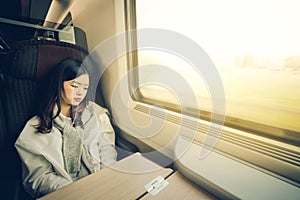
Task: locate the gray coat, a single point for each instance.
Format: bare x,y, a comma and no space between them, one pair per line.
42,157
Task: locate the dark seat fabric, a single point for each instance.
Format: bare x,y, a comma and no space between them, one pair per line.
2,118
3,149
31,62
25,76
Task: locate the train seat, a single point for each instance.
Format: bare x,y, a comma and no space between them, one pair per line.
29,64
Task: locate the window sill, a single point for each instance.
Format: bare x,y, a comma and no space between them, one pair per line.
230,179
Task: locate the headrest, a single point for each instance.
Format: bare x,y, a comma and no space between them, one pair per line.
33,59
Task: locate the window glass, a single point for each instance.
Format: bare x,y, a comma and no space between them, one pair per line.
254,45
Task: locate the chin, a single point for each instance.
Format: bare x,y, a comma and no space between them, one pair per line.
75,103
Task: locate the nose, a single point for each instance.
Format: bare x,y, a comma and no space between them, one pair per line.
79,91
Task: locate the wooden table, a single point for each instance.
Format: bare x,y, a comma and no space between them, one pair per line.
126,180
113,182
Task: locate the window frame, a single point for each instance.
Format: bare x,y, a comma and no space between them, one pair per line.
229,147
283,135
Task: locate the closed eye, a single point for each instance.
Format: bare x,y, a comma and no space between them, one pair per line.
74,86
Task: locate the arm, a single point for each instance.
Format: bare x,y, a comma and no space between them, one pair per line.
39,177
106,144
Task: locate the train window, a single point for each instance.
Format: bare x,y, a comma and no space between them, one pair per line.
254,45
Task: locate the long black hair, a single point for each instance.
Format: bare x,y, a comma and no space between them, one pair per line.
66,70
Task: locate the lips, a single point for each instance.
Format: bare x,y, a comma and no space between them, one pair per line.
77,99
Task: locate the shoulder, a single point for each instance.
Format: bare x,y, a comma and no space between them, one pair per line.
28,134
93,107
102,116
32,123
31,140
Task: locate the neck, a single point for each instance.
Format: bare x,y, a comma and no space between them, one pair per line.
66,110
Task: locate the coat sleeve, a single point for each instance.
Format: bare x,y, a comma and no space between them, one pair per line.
39,177
106,144
38,174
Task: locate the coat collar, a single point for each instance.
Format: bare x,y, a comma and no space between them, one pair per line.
87,113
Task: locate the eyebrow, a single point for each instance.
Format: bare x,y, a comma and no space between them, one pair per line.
80,83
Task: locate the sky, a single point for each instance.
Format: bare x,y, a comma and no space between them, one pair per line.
229,28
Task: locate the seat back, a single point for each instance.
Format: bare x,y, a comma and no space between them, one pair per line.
29,65
3,60
2,118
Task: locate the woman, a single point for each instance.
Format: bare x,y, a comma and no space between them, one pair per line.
69,138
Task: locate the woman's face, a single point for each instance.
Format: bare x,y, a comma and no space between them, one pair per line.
75,90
